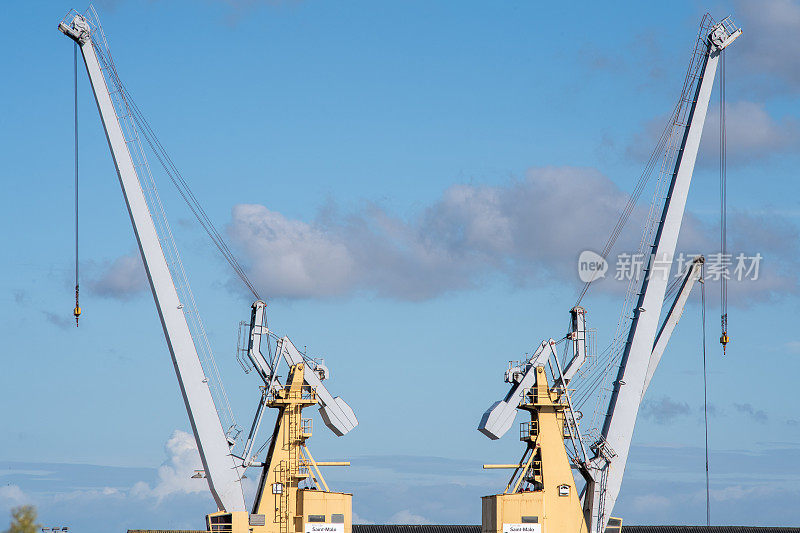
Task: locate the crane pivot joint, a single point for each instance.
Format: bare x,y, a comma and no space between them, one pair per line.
78,30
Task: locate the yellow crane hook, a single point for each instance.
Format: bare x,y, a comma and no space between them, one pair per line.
724,339
77,311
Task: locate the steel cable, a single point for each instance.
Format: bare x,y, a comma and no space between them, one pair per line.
723,195
185,191
705,391
77,311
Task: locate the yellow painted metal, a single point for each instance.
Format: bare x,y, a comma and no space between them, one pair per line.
306,452
523,472
548,501
614,525
281,506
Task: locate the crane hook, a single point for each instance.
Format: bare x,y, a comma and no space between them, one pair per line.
77,311
724,339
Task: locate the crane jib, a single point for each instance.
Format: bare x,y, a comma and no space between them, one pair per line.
633,372
222,472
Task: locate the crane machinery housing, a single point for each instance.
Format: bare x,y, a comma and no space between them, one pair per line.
542,495
292,495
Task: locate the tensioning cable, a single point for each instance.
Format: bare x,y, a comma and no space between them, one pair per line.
723,197
705,388
77,311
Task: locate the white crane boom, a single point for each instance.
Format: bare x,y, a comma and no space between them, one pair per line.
673,317
614,445
221,470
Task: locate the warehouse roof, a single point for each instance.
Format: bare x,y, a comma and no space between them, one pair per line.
373,528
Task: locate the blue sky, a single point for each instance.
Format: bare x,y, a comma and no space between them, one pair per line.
410,183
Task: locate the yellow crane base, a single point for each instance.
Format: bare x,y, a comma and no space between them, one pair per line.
317,512
541,496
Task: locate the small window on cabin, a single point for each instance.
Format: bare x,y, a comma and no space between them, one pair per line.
337,518
530,519
316,518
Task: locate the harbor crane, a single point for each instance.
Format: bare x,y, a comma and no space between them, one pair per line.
542,494
292,495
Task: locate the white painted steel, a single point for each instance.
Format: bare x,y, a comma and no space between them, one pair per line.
499,418
247,459
629,387
257,331
221,470
578,343
337,415
673,317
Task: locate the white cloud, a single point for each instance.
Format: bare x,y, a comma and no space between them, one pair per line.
741,492
470,232
664,410
792,346
11,496
122,278
89,494
523,231
62,320
651,502
751,133
759,415
290,256
767,44
661,478
407,517
174,475
357,519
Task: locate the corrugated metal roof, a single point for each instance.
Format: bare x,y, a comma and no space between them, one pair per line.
388,528
167,531
704,529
